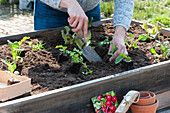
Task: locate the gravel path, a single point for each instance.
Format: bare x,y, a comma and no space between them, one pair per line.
14,21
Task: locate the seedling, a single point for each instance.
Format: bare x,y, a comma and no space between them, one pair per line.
76,57
132,42
11,67
104,42
16,49
70,39
165,50
120,57
39,46
152,33
113,49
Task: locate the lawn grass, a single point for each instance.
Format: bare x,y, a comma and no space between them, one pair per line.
144,10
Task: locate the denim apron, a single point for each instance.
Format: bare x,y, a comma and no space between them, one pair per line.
46,17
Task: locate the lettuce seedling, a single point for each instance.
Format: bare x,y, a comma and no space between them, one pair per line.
16,49
165,50
152,31
76,57
70,39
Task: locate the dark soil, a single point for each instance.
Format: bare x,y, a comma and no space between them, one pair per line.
49,70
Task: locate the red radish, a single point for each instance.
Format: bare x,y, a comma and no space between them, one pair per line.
104,109
109,112
99,97
114,99
109,97
97,110
112,108
108,103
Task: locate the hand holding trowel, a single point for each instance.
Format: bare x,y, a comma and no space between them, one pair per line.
88,52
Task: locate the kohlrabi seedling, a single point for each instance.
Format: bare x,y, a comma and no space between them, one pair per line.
165,50
16,49
132,42
113,49
104,42
121,57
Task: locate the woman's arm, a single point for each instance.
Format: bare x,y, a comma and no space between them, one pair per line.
123,12
77,17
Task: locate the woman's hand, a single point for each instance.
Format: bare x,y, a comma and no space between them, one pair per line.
118,41
78,19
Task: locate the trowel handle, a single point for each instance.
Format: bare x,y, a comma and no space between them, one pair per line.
80,33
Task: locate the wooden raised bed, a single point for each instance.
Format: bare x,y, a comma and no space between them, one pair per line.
76,98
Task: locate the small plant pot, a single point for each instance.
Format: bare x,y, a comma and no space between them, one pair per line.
145,108
146,98
19,86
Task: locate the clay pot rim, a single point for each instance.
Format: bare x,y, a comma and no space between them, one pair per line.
135,105
151,93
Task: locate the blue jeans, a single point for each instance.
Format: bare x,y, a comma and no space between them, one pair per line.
46,17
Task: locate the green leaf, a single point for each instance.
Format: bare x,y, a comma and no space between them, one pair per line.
101,44
67,29
126,43
10,43
142,37
128,58
112,93
97,105
131,36
90,21
112,54
153,51
123,55
118,59
134,45
6,62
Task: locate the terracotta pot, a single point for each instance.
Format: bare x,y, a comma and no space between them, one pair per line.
144,108
146,98
144,95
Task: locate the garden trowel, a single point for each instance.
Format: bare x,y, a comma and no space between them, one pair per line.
88,52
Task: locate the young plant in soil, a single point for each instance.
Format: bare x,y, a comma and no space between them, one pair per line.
120,57
39,46
16,49
152,32
165,50
70,39
132,42
104,42
11,68
76,58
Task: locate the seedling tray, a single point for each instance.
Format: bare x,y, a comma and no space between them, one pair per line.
11,91
76,98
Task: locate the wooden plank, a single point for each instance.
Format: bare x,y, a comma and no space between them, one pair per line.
165,31
76,98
